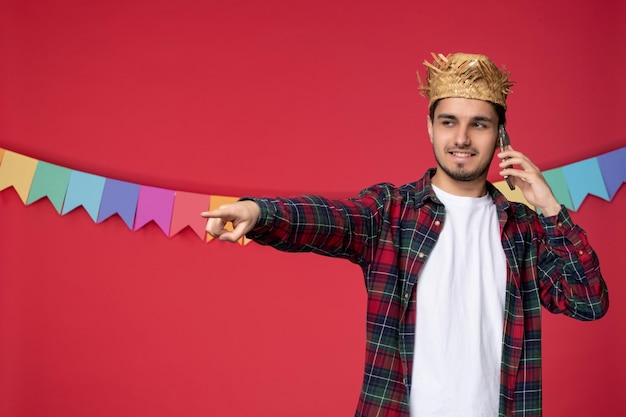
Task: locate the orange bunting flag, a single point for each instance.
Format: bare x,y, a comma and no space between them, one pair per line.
216,202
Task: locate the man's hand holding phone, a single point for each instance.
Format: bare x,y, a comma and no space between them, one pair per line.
529,179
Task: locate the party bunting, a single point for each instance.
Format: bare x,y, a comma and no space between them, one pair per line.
17,171
119,197
84,190
173,211
584,178
512,195
185,213
49,181
154,204
556,180
613,168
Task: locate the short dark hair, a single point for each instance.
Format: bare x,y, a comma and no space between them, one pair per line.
500,112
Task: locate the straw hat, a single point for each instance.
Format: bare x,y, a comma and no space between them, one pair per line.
467,76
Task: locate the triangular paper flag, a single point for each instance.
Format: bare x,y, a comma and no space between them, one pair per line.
50,181
17,171
556,180
186,213
1,155
216,202
154,204
584,178
84,190
119,197
613,168
512,195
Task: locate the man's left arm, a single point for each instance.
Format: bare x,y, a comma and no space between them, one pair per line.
568,267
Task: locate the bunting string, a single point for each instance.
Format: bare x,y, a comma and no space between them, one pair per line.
173,211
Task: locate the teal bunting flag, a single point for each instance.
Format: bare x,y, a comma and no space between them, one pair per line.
49,181
584,178
556,180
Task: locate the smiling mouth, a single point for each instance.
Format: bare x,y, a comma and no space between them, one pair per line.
461,154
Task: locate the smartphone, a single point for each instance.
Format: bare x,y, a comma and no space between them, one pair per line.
505,141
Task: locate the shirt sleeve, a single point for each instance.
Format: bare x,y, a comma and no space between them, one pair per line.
339,228
569,271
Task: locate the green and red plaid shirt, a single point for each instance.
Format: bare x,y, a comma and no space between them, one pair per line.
390,232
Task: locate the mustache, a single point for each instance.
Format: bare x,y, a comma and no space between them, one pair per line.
462,149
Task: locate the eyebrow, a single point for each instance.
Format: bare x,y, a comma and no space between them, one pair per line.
473,119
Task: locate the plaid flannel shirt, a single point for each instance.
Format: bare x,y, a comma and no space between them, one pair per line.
390,232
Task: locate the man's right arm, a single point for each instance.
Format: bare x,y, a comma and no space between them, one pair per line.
345,228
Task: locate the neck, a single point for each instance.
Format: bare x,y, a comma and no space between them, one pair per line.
473,188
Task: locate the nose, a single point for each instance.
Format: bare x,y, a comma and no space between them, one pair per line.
462,136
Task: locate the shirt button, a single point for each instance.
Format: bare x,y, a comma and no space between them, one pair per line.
580,252
406,296
559,224
437,222
420,255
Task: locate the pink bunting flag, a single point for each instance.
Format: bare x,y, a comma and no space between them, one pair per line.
154,204
187,209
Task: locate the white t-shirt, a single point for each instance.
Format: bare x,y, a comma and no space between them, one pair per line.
460,314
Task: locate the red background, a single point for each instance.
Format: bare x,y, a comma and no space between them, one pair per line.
265,98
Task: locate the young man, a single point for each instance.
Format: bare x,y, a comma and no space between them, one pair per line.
456,275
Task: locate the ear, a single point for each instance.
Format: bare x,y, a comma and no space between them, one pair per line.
429,126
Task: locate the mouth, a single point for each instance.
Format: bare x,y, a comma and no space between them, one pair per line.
461,154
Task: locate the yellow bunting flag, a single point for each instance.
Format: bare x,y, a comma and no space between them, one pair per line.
17,171
512,195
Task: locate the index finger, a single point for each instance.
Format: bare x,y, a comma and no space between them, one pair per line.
210,214
220,212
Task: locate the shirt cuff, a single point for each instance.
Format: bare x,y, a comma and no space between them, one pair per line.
561,228
557,224
265,221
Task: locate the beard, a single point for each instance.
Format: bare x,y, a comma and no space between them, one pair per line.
459,173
